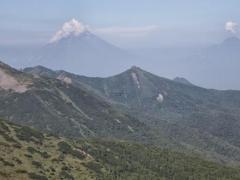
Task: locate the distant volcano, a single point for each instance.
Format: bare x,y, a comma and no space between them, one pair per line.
76,49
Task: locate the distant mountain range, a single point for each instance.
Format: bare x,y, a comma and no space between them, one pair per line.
83,52
217,64
213,66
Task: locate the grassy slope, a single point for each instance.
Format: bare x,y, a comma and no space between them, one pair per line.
28,154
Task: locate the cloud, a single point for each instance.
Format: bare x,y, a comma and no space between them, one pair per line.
231,26
127,31
72,27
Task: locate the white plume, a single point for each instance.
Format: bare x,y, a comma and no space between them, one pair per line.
72,27
231,26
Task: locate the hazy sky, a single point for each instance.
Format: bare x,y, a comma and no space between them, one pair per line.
127,23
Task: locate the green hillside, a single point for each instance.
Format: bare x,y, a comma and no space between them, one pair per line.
28,154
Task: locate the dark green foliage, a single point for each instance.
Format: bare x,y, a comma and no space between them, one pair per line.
108,160
33,150
6,163
64,147
134,161
28,134
52,169
60,157
19,146
4,132
4,144
77,154
17,160
67,149
21,171
65,175
37,164
3,174
7,137
96,167
66,168
28,156
4,126
34,176
45,155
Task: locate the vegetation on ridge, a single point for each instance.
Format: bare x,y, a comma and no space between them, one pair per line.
28,154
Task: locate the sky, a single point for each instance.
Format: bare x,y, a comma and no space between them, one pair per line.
130,24
148,27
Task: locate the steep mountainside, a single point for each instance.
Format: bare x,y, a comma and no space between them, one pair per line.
28,154
200,119
55,105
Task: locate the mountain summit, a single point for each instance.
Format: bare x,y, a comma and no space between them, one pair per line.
75,48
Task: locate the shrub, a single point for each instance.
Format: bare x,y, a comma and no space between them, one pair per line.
17,160
65,175
4,126
21,171
64,147
28,155
67,149
37,164
37,177
28,134
96,167
33,150
6,163
78,154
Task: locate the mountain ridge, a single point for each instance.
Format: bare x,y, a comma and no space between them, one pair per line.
57,106
195,117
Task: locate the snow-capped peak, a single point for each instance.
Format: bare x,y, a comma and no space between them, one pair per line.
72,27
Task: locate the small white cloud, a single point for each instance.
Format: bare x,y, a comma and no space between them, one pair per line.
160,98
231,26
127,31
72,27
